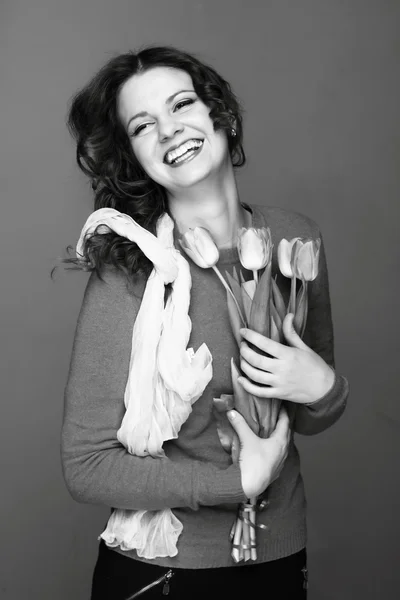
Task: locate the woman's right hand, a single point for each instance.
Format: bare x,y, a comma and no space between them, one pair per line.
261,459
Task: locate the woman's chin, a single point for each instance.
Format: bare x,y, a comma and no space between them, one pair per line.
187,178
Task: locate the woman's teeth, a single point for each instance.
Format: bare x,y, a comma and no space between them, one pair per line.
183,152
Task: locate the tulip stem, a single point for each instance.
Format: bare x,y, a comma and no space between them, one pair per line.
228,289
255,274
292,302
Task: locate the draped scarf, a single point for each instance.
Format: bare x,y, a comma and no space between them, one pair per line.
165,377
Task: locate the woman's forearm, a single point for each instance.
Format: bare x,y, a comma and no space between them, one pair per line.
97,467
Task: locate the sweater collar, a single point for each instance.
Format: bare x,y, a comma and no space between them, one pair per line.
231,255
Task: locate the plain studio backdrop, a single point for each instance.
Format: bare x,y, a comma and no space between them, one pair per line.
319,80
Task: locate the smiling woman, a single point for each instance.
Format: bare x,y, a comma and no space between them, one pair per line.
174,128
159,133
111,115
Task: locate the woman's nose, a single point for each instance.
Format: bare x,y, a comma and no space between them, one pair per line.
168,128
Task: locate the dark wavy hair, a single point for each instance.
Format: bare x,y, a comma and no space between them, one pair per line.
105,155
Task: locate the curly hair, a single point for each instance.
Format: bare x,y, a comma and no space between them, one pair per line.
105,155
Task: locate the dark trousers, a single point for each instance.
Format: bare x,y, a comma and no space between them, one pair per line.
117,577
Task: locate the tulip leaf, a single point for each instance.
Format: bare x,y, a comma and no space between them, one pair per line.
244,402
224,403
300,293
250,287
242,280
246,303
227,435
259,314
277,323
275,407
278,299
305,312
235,287
263,407
234,318
301,307
235,275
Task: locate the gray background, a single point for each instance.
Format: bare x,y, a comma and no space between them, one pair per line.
319,80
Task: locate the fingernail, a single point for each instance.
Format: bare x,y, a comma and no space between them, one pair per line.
240,380
231,415
243,331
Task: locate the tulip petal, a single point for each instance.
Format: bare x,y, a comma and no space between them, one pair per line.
254,248
200,247
206,246
194,255
305,257
284,255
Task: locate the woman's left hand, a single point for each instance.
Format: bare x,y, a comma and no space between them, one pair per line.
295,373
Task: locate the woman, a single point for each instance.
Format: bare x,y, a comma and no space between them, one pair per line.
160,133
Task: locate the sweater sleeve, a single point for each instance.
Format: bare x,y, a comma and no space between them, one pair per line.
97,468
318,335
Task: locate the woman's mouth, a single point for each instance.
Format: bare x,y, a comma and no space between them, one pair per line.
183,153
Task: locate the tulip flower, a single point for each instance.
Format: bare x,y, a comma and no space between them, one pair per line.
298,259
200,246
254,247
285,256
305,256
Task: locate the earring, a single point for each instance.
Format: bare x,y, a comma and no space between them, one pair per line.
233,132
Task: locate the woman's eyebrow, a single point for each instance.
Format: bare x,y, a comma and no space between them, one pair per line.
168,100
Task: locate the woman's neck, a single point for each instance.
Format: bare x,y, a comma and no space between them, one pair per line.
215,206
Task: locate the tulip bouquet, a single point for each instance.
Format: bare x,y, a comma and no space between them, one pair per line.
256,304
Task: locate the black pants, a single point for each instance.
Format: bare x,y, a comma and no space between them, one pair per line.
117,577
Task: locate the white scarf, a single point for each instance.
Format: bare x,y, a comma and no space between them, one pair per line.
165,378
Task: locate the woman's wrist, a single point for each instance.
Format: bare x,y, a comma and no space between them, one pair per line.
327,385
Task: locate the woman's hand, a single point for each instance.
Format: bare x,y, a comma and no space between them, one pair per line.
295,373
260,460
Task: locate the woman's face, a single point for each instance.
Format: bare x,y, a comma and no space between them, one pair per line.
170,129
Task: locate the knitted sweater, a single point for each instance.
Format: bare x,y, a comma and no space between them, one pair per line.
195,478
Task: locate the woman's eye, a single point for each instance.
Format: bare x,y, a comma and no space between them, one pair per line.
139,129
183,103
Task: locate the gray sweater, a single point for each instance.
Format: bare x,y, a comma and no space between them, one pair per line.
196,478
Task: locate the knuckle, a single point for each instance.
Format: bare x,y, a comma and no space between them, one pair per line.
243,364
258,361
244,348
